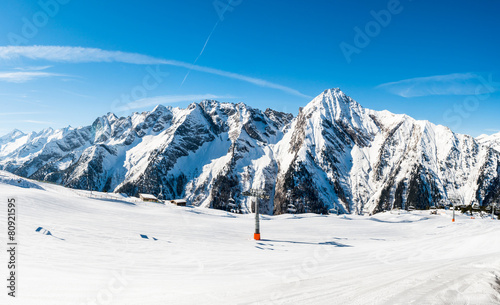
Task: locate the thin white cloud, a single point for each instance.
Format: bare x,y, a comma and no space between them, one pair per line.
248,79
33,68
451,84
14,95
76,93
74,55
87,55
22,77
169,99
18,113
38,122
492,130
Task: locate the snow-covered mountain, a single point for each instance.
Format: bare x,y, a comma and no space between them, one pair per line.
334,155
208,153
363,160
12,136
490,140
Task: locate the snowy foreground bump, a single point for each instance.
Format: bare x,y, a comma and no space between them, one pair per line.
120,252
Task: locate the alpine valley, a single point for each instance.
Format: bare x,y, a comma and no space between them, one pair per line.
334,156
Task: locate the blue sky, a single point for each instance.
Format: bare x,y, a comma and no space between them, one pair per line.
70,61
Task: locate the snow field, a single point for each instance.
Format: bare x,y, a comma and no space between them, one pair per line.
201,256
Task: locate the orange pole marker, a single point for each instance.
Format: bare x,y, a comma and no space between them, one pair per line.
256,236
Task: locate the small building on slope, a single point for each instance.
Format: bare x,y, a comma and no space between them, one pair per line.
148,198
179,202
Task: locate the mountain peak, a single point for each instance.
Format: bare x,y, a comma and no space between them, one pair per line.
209,104
46,130
160,107
333,91
16,133
337,95
13,135
336,105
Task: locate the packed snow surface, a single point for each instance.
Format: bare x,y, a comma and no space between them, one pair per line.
123,251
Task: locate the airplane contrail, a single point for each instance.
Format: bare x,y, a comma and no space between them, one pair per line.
206,41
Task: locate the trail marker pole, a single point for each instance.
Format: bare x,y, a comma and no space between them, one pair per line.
256,235
258,194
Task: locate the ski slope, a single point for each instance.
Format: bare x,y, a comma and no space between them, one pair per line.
96,255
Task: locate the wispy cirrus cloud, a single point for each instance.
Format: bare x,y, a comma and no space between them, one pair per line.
450,84
74,55
76,93
37,122
170,99
492,130
24,76
19,113
33,68
88,55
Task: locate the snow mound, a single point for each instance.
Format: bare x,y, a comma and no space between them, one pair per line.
7,178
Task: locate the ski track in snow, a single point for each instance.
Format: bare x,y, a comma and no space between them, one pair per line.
96,255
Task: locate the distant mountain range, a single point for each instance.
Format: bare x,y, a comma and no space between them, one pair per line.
334,156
